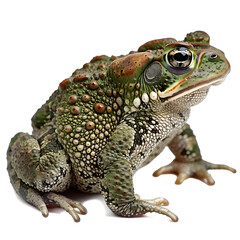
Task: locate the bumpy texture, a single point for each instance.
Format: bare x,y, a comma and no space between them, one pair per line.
114,116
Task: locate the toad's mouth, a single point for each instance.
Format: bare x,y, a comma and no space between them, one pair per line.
193,87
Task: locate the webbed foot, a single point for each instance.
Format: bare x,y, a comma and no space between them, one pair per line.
197,169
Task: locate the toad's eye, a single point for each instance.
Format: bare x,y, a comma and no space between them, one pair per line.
179,60
153,73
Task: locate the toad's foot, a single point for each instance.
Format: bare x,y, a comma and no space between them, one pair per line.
152,206
197,169
142,206
67,204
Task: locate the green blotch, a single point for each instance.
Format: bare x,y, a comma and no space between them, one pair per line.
40,117
187,131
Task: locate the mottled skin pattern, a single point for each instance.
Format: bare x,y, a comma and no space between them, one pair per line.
114,116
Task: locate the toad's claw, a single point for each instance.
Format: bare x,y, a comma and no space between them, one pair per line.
44,210
67,204
197,169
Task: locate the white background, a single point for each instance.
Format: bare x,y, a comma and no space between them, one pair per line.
43,42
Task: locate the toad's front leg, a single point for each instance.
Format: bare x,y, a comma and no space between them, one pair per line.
188,162
117,183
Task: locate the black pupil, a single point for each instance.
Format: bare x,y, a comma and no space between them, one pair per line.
179,60
181,57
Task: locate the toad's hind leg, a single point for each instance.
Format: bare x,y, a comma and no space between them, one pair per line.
37,168
29,194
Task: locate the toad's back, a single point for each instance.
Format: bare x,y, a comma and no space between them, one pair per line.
87,111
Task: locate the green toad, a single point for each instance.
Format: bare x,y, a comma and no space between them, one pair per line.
114,116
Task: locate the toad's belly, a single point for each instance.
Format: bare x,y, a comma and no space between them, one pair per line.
91,185
143,156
